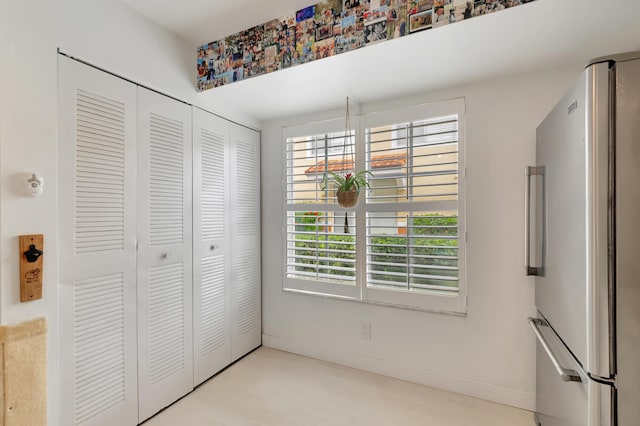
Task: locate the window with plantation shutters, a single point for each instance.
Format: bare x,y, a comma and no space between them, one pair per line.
404,242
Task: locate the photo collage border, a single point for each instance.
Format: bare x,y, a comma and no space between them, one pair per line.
325,29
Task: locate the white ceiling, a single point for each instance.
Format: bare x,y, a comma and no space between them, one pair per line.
203,21
536,36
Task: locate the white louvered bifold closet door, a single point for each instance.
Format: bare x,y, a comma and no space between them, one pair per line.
211,286
97,305
246,329
165,345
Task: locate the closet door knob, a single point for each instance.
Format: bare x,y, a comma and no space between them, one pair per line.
213,247
168,255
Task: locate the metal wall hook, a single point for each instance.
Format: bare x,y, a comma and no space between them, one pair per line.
35,185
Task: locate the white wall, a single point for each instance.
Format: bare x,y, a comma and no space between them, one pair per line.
107,34
28,134
491,352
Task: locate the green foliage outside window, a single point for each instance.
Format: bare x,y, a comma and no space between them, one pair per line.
319,255
306,221
432,247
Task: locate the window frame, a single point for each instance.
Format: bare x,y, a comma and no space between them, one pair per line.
451,303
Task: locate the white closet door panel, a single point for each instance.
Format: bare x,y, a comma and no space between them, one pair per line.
211,289
165,344
246,327
97,247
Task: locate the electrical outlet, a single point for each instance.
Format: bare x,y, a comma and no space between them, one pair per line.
365,331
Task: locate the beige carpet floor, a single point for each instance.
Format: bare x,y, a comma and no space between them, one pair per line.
271,387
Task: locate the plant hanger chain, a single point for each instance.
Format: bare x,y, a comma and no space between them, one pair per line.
347,146
348,167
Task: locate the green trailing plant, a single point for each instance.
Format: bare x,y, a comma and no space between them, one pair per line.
347,182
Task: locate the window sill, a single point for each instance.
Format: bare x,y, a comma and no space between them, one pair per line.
457,313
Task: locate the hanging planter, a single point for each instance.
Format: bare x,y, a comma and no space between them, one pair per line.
348,184
348,198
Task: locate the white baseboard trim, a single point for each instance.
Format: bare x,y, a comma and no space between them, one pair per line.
494,393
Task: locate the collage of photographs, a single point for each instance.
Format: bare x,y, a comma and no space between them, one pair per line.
325,29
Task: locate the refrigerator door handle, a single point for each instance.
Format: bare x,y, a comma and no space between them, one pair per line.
567,375
531,171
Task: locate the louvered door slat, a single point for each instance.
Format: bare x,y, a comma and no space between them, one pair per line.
165,346
166,322
166,186
97,256
212,302
213,185
94,142
247,185
96,171
212,298
246,309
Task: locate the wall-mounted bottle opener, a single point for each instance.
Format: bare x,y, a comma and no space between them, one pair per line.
31,255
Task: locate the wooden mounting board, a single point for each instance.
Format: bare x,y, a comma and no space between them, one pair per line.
31,272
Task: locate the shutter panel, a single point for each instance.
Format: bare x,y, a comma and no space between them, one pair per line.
245,241
412,236
320,236
211,287
413,247
97,250
165,351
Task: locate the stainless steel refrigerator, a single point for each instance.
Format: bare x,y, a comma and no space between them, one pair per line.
583,246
